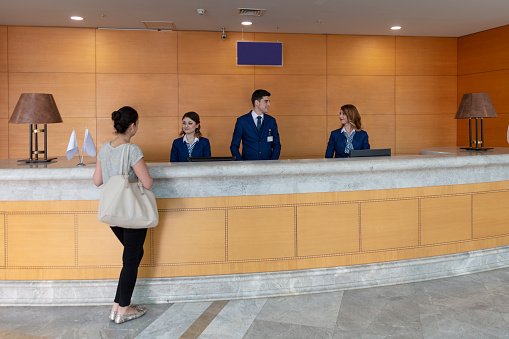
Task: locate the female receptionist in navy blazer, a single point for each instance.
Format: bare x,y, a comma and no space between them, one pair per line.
349,137
191,143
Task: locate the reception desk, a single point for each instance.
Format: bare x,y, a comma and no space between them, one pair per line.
256,228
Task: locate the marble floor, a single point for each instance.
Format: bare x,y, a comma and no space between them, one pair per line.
471,306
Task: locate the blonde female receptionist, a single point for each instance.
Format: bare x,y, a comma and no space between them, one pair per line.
125,122
349,137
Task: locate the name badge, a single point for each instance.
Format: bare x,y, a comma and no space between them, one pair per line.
270,138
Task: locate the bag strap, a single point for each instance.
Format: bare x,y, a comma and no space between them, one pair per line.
126,175
128,146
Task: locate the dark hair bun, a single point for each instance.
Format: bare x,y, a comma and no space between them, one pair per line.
123,118
115,116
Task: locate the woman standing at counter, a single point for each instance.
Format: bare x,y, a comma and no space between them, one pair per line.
192,144
125,122
350,136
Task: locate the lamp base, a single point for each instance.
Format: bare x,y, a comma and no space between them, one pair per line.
36,160
476,149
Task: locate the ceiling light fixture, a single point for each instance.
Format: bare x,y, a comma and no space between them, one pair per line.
78,18
247,23
395,28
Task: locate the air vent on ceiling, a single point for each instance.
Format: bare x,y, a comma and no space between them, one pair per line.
250,12
160,25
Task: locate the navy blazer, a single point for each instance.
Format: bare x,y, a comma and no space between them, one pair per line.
254,142
179,152
337,143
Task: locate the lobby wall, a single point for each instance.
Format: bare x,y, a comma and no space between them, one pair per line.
483,66
404,87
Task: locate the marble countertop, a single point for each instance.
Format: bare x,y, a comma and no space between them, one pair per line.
62,180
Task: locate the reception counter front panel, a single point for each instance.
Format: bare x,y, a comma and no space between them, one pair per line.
248,217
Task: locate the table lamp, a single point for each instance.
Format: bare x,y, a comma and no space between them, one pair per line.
476,106
33,109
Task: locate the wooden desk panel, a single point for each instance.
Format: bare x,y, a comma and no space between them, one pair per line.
389,224
452,212
40,240
2,240
328,229
190,237
261,233
207,236
490,217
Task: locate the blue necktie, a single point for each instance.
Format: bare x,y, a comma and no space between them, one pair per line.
349,139
190,147
259,123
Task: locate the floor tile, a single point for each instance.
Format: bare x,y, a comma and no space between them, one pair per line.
270,329
234,320
175,321
386,311
497,285
317,310
445,322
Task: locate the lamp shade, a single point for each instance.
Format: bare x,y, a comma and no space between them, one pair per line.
476,105
36,108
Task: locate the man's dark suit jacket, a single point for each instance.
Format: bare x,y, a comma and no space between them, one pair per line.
254,143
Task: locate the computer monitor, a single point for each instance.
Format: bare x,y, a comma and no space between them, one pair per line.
370,152
203,159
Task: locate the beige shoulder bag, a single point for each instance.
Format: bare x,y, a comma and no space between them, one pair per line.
125,202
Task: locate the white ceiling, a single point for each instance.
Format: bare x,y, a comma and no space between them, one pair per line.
451,18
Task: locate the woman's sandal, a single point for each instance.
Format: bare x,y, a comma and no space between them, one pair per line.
113,314
122,318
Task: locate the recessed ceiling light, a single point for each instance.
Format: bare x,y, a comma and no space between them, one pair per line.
247,23
395,28
76,18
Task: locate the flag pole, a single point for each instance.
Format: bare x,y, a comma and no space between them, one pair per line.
81,164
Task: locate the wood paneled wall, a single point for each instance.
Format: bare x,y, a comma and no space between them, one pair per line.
404,87
483,66
4,95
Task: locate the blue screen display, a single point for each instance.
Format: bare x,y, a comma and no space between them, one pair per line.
259,53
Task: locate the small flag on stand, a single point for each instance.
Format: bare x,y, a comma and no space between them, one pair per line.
88,144
72,147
